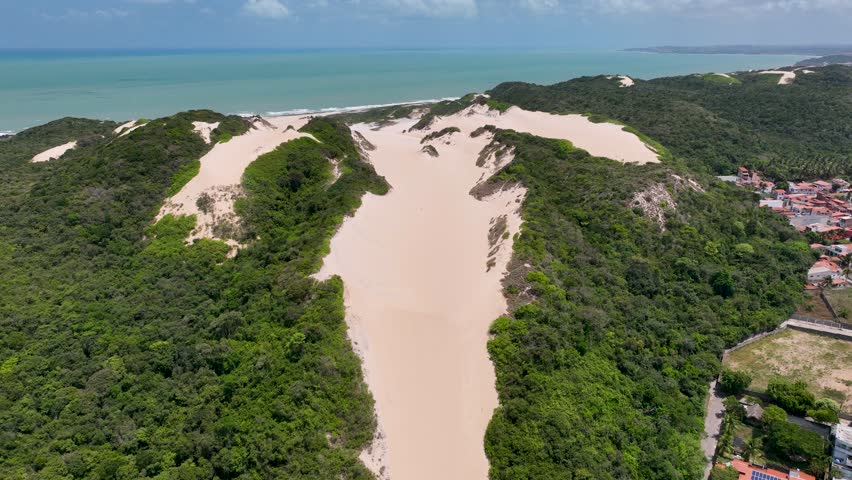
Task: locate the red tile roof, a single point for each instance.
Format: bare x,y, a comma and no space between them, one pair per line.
745,470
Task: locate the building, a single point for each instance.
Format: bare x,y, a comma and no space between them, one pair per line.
823,270
841,453
803,188
840,250
748,471
822,186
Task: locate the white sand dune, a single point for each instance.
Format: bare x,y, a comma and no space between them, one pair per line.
220,176
787,78
126,128
599,139
123,126
625,80
53,153
205,129
419,292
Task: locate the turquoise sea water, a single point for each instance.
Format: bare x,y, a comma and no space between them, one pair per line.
39,86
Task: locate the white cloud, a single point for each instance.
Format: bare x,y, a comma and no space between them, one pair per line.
710,6
434,8
540,6
266,8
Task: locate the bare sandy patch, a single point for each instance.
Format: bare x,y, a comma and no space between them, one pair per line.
787,78
205,129
54,153
124,126
624,80
210,195
823,362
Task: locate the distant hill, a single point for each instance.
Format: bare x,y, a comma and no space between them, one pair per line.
752,49
844,59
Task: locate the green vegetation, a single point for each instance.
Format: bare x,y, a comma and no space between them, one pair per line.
799,131
793,397
439,134
720,79
183,176
126,354
604,374
723,473
796,446
773,439
734,382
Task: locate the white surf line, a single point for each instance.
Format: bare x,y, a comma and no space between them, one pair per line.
218,183
54,153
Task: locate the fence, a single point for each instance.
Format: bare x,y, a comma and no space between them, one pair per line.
817,321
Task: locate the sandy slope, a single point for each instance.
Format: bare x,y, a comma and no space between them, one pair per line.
600,139
221,173
205,129
787,78
54,152
624,80
419,302
419,293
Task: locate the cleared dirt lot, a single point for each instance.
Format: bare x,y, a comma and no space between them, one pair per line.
822,362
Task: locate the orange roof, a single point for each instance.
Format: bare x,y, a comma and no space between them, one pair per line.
746,470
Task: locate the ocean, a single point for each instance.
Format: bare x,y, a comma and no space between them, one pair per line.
39,86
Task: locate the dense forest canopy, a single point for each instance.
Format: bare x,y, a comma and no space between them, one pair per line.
125,354
604,374
791,132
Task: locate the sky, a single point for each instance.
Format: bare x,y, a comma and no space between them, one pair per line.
577,24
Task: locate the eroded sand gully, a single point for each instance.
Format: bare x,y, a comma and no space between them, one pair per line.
419,292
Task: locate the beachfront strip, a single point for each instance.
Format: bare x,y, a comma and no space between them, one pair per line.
821,210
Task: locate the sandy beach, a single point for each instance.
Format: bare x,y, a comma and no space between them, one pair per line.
419,292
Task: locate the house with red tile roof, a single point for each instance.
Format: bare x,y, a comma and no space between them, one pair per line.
822,186
748,471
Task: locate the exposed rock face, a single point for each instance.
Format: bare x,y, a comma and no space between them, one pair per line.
653,201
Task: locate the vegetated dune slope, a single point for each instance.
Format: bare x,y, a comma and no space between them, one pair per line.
422,268
210,195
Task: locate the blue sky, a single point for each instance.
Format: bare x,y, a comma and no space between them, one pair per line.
419,23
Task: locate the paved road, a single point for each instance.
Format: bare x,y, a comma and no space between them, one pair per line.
712,425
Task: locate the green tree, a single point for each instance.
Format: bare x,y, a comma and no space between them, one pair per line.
734,382
792,397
